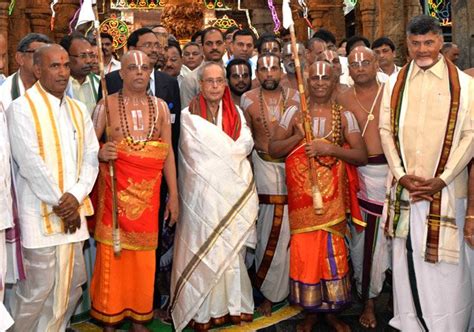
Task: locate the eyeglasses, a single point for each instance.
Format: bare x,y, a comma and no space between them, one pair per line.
84,56
151,45
212,81
28,51
363,64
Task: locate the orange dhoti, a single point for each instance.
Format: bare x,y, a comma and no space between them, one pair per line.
319,271
122,287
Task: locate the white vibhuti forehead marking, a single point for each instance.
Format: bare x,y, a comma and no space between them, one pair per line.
240,70
268,62
271,45
329,55
321,69
359,57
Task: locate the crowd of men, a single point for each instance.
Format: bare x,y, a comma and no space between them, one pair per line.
266,198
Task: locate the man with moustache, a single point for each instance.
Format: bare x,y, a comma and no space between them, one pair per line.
451,52
141,148
16,84
384,49
263,108
210,283
243,42
289,80
213,47
427,137
238,74
83,86
192,56
369,247
110,63
55,148
174,64
319,271
269,44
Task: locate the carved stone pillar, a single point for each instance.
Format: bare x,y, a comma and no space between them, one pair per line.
463,31
65,11
328,14
368,18
262,20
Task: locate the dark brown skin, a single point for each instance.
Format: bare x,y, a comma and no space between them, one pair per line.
469,223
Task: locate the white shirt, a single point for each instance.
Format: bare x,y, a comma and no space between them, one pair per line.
35,183
152,82
6,88
6,216
113,65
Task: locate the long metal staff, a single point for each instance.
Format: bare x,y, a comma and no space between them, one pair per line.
317,197
113,180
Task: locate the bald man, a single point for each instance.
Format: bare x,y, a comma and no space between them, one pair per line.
55,148
451,52
140,145
369,247
333,58
319,271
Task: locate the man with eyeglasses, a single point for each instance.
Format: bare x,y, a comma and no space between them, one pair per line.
213,47
263,108
369,247
219,207
83,83
238,74
16,84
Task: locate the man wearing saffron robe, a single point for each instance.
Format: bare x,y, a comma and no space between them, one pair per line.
427,137
140,144
55,149
319,271
209,280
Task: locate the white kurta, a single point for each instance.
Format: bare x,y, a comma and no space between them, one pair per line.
218,211
35,182
6,88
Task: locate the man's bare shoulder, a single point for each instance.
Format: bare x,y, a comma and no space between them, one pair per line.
251,94
345,98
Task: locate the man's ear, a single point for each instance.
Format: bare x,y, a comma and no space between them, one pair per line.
19,58
37,71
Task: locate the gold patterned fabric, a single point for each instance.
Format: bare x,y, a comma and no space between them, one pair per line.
138,176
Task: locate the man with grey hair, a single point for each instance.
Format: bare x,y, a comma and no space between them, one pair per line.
16,84
219,208
450,51
289,80
55,149
427,137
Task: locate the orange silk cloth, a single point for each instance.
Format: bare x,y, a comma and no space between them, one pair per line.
122,287
138,175
319,271
333,185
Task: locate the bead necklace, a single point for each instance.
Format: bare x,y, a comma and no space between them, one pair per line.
262,112
336,135
136,145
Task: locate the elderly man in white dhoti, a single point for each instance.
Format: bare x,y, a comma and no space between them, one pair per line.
426,127
219,203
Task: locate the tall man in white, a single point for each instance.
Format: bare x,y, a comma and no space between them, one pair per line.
56,151
427,137
219,207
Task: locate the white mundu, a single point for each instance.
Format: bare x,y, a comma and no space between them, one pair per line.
434,275
217,221
55,148
273,228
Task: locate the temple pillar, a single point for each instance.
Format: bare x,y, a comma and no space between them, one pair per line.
65,10
463,31
368,18
328,14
